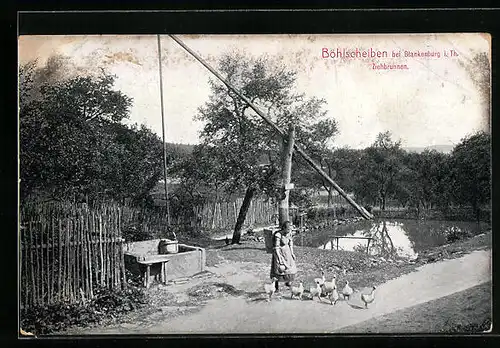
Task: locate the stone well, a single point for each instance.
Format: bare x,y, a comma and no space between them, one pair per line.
188,261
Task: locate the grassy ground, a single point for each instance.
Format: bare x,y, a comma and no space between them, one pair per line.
362,271
467,311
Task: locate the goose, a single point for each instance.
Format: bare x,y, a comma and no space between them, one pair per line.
321,280
315,291
334,295
298,291
327,287
270,288
368,298
347,291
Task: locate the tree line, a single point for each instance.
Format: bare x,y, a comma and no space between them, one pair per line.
75,144
384,172
240,154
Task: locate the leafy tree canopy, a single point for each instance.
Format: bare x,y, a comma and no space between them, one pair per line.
73,141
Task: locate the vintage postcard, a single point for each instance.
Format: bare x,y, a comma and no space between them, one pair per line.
230,184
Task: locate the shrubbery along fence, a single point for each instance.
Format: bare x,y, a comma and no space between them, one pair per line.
68,249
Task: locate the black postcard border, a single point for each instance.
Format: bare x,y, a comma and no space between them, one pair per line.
263,21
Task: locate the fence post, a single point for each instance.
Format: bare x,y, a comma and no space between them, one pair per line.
67,276
122,258
88,236
72,259
52,253
101,251
56,257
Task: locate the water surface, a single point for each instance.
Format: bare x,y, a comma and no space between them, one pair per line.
389,238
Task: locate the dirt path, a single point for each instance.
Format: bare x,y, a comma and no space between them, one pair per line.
250,313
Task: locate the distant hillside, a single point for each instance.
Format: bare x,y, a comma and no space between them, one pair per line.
181,148
438,148
188,148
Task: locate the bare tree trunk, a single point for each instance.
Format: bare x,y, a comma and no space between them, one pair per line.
286,174
215,206
242,214
330,197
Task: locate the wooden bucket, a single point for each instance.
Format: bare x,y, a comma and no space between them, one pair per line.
167,246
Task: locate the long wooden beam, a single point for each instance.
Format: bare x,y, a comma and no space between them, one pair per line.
163,133
365,214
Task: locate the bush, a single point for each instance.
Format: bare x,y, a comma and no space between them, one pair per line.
359,248
322,213
456,234
57,317
300,198
135,233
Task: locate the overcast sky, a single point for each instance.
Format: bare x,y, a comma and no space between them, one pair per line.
433,102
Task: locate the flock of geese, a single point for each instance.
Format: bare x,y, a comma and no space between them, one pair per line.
322,287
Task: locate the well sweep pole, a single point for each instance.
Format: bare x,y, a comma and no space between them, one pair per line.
364,213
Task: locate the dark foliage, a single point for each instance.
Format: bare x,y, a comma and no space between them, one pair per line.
456,234
58,317
472,328
74,144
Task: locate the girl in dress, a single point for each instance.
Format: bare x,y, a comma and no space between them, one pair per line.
283,266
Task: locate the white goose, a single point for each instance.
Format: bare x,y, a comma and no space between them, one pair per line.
270,288
334,296
327,287
369,298
315,291
347,291
298,291
321,280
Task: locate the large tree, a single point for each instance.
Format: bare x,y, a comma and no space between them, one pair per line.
471,172
62,133
203,177
241,135
317,142
424,179
73,142
379,170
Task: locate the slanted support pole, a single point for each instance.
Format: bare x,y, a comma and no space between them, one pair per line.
364,213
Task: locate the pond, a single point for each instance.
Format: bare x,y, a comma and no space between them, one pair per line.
389,238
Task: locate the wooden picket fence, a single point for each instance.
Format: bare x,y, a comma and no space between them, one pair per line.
150,222
67,251
223,215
